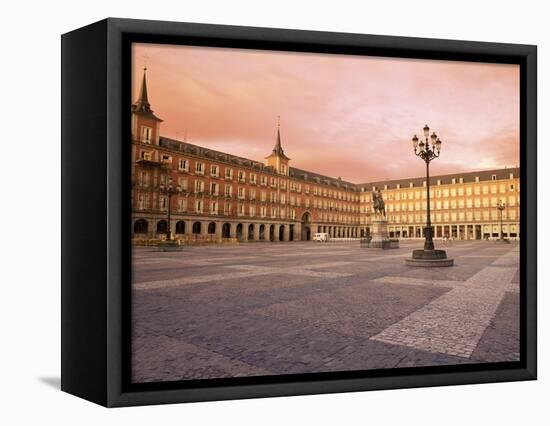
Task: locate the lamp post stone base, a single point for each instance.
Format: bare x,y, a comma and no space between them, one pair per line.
429,258
168,245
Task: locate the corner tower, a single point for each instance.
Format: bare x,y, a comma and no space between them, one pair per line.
277,159
145,124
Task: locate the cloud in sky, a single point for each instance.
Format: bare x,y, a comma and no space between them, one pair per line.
341,115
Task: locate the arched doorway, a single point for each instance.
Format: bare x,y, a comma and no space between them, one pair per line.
240,231
211,228
196,228
162,227
226,230
306,227
262,232
180,227
250,232
272,233
282,233
141,226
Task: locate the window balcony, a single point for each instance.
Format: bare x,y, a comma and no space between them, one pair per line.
149,163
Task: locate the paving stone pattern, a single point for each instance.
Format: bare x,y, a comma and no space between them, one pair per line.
281,308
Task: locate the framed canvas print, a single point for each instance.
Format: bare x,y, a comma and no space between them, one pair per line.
252,212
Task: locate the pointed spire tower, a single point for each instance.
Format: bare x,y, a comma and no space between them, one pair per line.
145,124
277,159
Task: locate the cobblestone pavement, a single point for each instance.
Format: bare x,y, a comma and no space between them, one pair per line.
281,308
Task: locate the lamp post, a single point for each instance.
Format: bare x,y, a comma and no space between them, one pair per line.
169,190
427,153
428,149
501,206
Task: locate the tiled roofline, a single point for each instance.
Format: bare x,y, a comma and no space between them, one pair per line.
316,178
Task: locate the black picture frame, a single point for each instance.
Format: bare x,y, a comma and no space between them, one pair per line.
96,187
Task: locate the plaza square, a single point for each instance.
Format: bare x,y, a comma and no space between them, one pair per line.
259,309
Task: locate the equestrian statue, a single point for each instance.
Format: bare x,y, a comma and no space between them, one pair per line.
378,203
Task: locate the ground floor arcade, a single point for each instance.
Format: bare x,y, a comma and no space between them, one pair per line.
218,229
463,231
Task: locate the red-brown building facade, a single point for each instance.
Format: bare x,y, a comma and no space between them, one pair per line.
215,195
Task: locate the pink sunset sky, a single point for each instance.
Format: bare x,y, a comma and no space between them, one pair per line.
348,116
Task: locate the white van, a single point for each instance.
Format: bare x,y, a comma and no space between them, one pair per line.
320,236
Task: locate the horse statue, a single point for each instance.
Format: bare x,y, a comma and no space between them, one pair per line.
378,203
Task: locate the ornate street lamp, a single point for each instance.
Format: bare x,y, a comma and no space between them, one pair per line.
169,190
501,206
428,149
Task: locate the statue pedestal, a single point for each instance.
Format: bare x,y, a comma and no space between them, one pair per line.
380,237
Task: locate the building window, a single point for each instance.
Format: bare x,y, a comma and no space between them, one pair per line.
214,189
228,190
242,176
494,177
182,182
183,165
453,181
199,168
182,204
241,192
263,180
199,186
214,171
145,155
213,207
477,179
228,173
253,178
144,179
146,134
511,176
